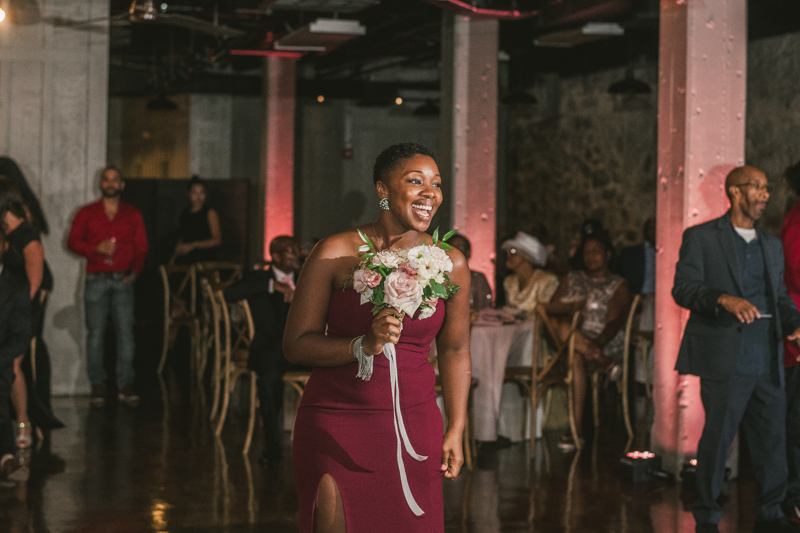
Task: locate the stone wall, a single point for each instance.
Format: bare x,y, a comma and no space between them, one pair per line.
582,152
773,117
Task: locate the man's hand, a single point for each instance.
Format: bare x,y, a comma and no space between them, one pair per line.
741,308
107,247
129,279
795,338
286,290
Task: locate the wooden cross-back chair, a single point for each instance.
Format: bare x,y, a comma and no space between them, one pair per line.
238,331
180,308
212,336
220,271
544,374
38,328
623,381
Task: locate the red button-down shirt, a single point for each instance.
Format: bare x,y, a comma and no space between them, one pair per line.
790,236
91,225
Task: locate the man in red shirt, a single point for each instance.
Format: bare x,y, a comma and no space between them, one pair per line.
110,234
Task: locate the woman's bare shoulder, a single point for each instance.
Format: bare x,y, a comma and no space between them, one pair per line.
339,245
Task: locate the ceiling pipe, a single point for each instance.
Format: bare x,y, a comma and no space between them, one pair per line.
463,8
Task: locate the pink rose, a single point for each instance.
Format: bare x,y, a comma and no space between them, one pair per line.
409,270
372,278
402,292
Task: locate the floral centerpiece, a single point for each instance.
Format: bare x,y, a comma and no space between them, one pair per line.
407,279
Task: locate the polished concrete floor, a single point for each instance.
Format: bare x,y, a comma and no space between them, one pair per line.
156,469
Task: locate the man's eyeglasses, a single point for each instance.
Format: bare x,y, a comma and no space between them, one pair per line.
757,186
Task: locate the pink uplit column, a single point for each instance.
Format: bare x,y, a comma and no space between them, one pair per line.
469,131
276,186
700,138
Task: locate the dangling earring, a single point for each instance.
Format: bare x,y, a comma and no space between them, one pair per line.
384,203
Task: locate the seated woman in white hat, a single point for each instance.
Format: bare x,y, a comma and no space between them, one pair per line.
529,285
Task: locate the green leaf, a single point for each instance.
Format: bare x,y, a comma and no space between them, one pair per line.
368,255
427,292
448,235
436,236
453,289
365,239
445,246
424,241
439,290
377,295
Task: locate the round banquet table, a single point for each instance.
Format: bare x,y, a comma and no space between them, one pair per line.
498,408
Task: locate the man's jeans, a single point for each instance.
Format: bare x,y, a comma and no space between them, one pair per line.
104,296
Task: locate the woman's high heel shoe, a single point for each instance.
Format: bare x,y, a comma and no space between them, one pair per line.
24,438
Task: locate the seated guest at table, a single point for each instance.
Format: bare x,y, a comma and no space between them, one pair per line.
15,338
590,227
480,293
529,285
269,293
199,233
601,337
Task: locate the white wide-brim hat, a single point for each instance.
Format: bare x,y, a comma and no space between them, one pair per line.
528,247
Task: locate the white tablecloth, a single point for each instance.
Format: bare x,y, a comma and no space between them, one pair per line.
498,408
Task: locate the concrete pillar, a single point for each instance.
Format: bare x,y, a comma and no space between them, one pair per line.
53,108
468,132
276,183
700,139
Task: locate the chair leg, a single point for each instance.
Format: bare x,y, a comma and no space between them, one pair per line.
626,414
165,346
251,423
226,394
524,419
216,384
573,427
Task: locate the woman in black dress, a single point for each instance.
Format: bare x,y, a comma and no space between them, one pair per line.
26,256
199,233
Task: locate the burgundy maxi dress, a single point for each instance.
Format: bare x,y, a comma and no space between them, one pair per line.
345,428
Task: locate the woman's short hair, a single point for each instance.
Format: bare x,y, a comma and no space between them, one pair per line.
793,177
11,200
390,157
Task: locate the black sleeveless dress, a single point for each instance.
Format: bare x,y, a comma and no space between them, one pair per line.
194,227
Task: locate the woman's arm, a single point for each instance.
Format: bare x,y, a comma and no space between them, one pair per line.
617,315
304,339
34,265
556,306
455,365
184,248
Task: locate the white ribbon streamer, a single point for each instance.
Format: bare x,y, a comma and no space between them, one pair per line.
400,430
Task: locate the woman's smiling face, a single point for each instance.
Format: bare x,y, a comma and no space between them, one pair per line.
414,191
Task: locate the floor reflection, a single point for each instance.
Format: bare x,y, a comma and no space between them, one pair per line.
157,469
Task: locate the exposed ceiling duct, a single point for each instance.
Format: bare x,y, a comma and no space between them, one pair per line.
321,35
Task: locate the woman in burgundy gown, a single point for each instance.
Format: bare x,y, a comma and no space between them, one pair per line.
351,471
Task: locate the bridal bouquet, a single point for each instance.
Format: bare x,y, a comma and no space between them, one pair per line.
407,279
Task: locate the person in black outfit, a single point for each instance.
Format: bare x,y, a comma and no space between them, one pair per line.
25,256
199,233
269,294
15,336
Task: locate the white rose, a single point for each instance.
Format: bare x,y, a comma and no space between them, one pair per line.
443,262
387,258
402,292
426,272
428,309
417,256
439,278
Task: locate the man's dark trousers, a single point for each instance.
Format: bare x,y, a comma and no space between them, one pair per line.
759,404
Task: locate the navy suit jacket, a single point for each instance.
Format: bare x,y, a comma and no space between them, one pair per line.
708,267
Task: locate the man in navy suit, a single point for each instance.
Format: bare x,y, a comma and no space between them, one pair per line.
15,339
269,294
730,276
